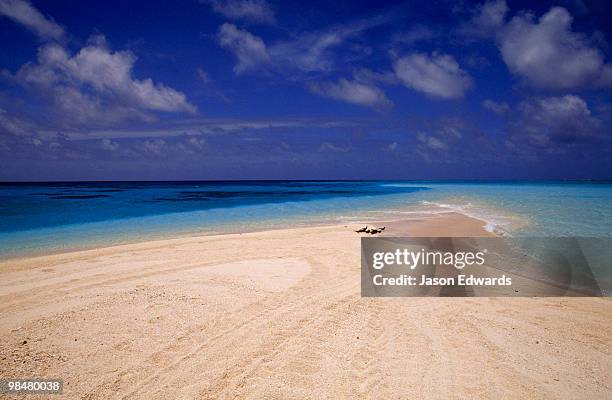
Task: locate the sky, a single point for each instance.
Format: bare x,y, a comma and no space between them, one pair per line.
263,89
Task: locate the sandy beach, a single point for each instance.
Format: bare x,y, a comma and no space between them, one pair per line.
278,314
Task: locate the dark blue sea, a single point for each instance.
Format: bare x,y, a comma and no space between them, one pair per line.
45,217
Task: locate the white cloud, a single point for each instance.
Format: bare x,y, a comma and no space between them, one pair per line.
308,52
327,146
197,142
202,126
78,108
155,146
203,75
105,71
312,51
546,52
549,54
438,75
24,13
451,129
353,92
249,49
14,126
109,145
190,145
564,119
431,142
453,137
250,10
488,19
96,84
499,108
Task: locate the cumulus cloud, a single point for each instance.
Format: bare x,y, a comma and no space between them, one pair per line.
550,55
353,92
250,10
436,75
249,49
499,108
549,120
96,84
488,19
104,71
24,13
546,52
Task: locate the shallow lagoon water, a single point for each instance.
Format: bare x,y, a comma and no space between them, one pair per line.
48,217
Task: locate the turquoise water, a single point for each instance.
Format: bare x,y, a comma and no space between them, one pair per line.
528,208
38,218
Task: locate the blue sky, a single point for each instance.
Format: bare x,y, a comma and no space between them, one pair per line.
256,89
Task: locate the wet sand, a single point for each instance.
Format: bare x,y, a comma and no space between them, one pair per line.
278,314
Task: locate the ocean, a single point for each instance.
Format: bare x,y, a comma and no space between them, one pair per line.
37,218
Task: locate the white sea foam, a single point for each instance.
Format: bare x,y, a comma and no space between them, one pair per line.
496,221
